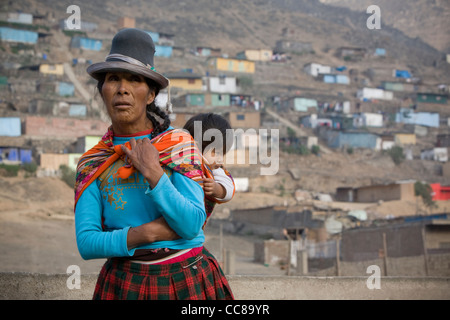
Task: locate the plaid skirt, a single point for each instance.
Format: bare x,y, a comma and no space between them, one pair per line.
196,278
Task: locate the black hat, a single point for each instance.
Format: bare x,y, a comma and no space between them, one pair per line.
132,51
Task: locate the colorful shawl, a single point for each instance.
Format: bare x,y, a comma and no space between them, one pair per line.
177,151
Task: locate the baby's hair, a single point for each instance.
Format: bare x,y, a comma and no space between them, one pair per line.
211,121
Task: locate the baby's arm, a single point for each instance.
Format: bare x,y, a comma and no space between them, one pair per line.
214,189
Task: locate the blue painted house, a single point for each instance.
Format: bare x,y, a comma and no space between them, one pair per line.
426,119
66,89
10,127
20,36
354,139
336,78
163,51
86,43
15,154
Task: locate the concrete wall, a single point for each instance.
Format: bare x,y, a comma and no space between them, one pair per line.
26,286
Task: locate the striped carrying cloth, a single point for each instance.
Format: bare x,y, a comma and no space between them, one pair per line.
196,278
177,151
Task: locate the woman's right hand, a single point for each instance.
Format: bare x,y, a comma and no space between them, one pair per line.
161,231
156,230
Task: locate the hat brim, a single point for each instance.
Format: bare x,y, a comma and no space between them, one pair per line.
97,70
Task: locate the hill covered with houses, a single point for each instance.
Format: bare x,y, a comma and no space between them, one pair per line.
344,98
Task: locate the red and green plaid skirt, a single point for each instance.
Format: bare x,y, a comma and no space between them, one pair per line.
196,278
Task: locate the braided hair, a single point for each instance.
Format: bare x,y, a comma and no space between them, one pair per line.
156,115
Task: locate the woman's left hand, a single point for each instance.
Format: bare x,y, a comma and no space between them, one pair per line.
145,158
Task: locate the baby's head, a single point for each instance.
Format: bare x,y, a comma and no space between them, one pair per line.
213,135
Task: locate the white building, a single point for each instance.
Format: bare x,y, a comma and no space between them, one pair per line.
314,69
221,84
368,120
373,93
435,154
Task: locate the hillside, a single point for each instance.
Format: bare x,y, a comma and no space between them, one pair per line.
411,17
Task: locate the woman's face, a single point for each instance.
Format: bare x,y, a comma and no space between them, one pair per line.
126,97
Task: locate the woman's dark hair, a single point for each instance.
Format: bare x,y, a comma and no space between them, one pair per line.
152,109
210,121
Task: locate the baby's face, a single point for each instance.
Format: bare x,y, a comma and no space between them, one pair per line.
215,159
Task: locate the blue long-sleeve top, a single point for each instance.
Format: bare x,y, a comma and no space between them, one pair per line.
126,203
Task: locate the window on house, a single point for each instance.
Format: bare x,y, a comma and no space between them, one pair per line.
222,80
191,81
240,117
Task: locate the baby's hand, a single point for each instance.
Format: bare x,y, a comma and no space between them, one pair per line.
212,188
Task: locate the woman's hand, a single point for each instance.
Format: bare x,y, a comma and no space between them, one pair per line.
157,230
145,158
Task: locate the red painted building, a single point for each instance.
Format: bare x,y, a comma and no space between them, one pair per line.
440,193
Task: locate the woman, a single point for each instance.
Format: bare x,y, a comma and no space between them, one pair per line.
134,205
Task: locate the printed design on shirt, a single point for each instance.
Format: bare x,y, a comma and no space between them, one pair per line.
112,187
113,195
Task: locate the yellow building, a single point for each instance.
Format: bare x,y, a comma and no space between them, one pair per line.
126,22
55,69
405,138
256,55
185,81
232,65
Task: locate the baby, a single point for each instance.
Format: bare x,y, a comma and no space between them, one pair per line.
222,186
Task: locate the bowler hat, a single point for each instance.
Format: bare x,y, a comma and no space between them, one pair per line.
132,50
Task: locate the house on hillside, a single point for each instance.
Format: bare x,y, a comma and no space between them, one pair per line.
334,78
283,46
10,127
398,86
409,236
426,119
85,43
315,69
49,163
126,22
404,139
380,52
351,53
300,104
440,193
368,94
366,119
207,52
375,193
255,55
85,143
443,140
18,36
352,139
61,88
63,127
431,98
15,155
52,69
403,74
204,99
231,65
244,119
221,84
17,17
435,154
185,81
